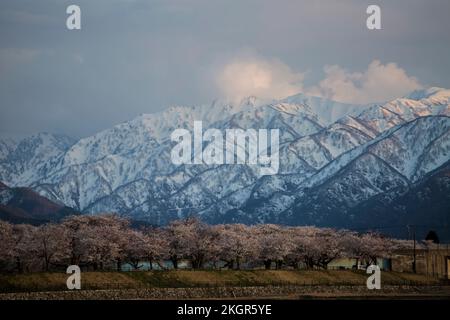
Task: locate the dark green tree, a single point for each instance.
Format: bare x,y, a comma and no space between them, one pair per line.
432,236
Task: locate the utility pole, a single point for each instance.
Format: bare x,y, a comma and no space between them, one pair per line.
414,250
414,246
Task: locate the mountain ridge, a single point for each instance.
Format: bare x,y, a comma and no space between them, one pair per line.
127,168
23,205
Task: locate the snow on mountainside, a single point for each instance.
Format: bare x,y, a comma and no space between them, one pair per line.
6,147
327,110
356,176
333,156
152,129
26,160
111,162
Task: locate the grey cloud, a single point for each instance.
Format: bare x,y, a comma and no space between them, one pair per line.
139,56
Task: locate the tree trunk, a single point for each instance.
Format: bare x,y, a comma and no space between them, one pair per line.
135,264
279,264
119,265
19,265
150,261
47,264
174,260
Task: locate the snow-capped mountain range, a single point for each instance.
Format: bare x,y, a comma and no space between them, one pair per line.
334,157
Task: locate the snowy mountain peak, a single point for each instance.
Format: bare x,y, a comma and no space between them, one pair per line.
327,110
432,92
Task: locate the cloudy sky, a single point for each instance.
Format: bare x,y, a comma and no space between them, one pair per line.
141,56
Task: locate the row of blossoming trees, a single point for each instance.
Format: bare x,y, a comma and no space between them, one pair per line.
107,242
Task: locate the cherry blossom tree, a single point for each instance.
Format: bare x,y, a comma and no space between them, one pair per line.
191,239
100,241
236,244
51,243
367,247
202,244
329,247
146,245
295,236
271,244
7,244
95,240
316,247
25,251
374,246
156,246
134,248
176,234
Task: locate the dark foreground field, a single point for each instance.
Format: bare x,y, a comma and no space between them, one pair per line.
183,284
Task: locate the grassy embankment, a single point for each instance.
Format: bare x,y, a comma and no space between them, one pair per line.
209,278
